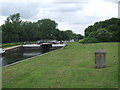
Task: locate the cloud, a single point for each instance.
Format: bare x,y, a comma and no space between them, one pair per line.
30,8
100,8
26,10
113,1
45,1
68,7
2,19
59,11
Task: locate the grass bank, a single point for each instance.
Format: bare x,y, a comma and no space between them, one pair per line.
70,67
6,45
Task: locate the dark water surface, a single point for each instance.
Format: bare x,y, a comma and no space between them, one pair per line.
19,54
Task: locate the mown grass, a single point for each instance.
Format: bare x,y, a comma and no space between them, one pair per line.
69,67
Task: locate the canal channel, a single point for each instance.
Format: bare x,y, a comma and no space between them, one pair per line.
21,53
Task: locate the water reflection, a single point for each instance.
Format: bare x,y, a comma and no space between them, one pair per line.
17,55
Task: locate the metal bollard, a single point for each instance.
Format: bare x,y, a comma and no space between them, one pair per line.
100,58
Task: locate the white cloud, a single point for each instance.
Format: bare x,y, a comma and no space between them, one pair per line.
2,19
100,8
113,1
27,1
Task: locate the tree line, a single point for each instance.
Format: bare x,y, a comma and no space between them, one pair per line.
16,30
103,31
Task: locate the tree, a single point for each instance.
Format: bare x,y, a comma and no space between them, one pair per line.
48,28
16,30
104,31
11,28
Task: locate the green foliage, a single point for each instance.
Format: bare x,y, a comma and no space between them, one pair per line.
16,30
47,27
11,44
81,41
104,31
4,45
89,40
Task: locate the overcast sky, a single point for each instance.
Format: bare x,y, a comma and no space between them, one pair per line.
73,15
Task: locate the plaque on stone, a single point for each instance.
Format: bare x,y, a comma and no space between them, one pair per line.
100,58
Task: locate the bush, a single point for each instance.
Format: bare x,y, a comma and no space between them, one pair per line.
11,44
89,40
81,41
18,43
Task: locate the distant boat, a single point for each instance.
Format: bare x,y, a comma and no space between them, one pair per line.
32,45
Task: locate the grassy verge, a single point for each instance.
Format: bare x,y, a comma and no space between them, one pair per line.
6,45
70,67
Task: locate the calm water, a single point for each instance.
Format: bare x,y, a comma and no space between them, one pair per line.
17,55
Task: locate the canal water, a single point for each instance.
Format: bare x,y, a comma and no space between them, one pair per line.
19,54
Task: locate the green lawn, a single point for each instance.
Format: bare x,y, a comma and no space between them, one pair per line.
70,67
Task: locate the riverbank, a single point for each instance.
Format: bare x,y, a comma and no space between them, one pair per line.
12,47
69,67
8,45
